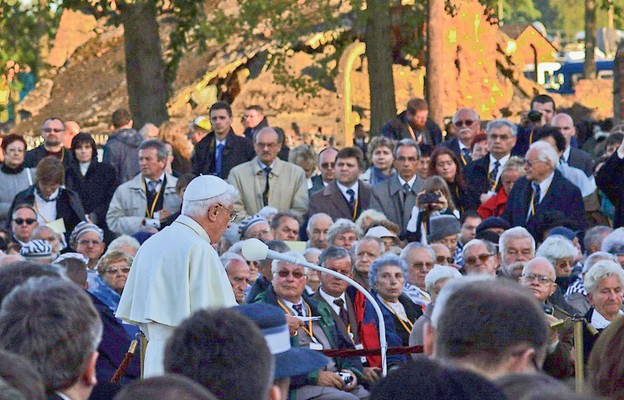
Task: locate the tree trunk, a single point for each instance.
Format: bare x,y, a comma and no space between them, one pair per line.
147,87
434,82
618,85
379,56
590,39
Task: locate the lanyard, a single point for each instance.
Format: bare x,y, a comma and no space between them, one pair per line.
494,182
39,212
533,207
149,210
355,207
417,139
307,329
404,323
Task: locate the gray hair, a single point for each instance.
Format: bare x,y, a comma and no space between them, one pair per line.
514,163
416,245
112,256
280,138
602,270
158,145
532,262
546,153
292,254
147,129
595,236
438,273
474,114
334,253
229,256
303,153
382,246
489,246
501,123
595,257
312,250
556,247
406,143
342,225
197,208
314,218
372,214
450,289
51,322
124,240
384,261
613,241
517,232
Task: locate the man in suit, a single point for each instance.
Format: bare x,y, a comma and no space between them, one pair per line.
467,126
483,175
62,344
413,124
347,196
53,132
544,189
266,180
396,196
327,166
286,291
220,150
574,157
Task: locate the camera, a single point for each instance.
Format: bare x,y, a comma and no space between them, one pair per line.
346,377
428,198
152,223
534,116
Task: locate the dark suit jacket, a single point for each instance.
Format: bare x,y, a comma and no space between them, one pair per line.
610,179
476,177
237,150
453,145
387,198
38,153
317,184
397,129
582,160
561,196
331,201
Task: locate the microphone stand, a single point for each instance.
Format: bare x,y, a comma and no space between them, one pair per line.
255,248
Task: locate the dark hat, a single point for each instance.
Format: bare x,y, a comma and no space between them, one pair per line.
563,231
142,236
289,361
441,226
493,222
490,236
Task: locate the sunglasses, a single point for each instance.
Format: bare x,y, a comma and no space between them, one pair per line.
48,130
113,270
295,274
28,221
482,257
465,123
442,259
326,165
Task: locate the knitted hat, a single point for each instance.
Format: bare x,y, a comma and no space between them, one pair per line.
248,223
36,250
84,227
441,226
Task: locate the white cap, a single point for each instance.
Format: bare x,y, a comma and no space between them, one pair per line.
205,187
379,232
203,123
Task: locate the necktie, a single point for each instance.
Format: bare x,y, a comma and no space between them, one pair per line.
219,159
265,194
344,316
298,309
536,193
494,172
351,194
151,185
406,190
466,153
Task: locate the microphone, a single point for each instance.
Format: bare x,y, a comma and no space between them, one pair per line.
256,250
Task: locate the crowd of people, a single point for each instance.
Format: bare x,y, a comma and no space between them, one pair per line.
481,248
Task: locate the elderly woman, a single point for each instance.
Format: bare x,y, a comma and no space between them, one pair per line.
495,205
561,253
343,233
603,283
88,240
387,278
305,157
13,176
113,269
380,150
50,199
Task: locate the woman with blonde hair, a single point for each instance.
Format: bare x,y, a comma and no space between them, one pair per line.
175,135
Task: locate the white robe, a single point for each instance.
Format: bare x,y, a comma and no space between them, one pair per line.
175,273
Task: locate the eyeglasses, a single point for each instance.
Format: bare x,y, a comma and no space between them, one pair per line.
327,165
57,130
86,242
442,259
501,137
482,257
233,214
295,274
259,233
465,123
28,221
542,279
269,145
530,163
421,265
113,270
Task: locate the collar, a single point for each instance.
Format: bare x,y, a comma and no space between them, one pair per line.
290,305
501,161
343,189
218,142
330,299
461,145
161,177
566,154
52,198
263,165
544,185
62,395
598,321
192,224
410,182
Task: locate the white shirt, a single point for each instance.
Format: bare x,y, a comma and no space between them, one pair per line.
46,210
330,300
502,162
566,155
598,321
410,182
544,185
290,305
159,185
343,189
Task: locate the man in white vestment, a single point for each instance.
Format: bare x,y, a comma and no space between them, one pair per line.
177,271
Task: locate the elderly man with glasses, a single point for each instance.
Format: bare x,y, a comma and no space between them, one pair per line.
467,125
480,258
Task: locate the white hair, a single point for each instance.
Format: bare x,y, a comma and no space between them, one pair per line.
197,208
124,240
613,240
557,247
545,152
602,270
292,254
229,256
438,273
517,232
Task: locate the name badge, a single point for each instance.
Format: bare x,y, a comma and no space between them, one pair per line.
316,346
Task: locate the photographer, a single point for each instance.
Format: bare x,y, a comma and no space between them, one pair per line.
434,199
542,110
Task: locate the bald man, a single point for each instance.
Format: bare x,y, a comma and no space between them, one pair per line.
572,156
